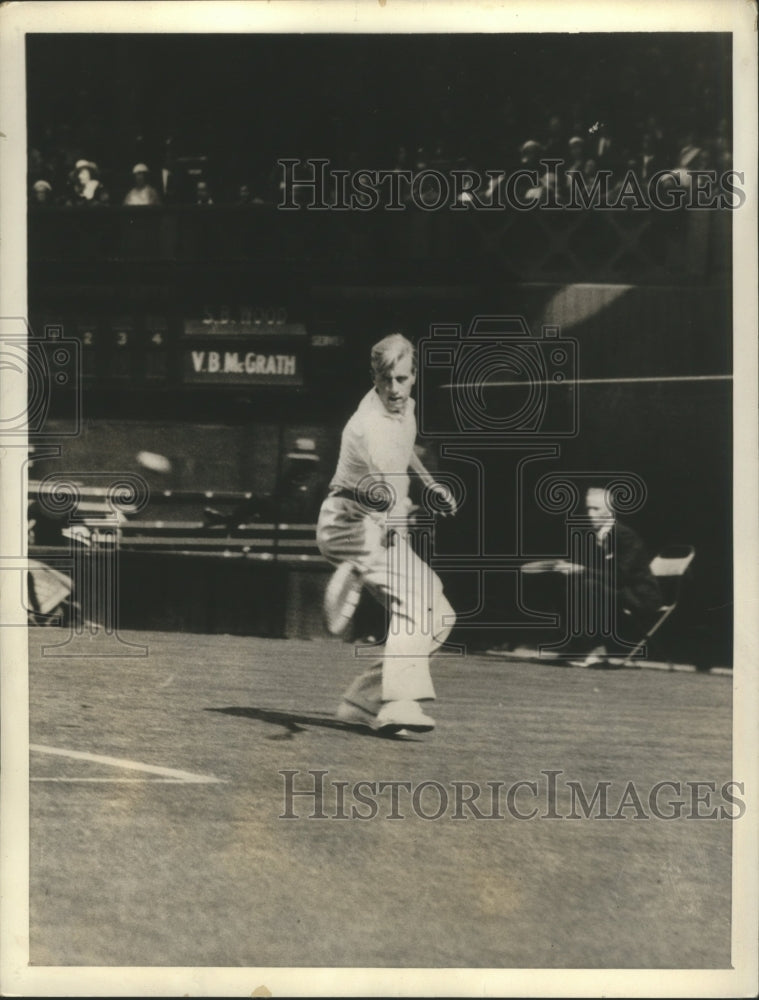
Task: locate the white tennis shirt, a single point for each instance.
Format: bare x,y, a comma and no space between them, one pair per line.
379,445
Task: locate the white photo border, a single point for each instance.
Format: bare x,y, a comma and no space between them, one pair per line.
380,16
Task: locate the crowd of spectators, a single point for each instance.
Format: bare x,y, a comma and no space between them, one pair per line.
560,163
205,119
68,179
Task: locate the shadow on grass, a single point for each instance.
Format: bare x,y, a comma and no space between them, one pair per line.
294,723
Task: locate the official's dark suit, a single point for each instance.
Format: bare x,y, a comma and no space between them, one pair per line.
617,568
614,595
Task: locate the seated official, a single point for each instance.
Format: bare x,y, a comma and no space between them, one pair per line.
608,597
617,594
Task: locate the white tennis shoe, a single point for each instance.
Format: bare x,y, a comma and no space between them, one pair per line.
354,715
398,718
397,715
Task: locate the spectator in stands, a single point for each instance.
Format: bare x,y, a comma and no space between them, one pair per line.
87,187
142,193
245,196
61,151
525,190
574,163
202,193
688,151
530,153
603,147
688,160
655,130
551,191
553,146
42,195
590,172
576,154
647,162
173,182
544,192
702,160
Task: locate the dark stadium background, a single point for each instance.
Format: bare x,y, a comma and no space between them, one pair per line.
644,294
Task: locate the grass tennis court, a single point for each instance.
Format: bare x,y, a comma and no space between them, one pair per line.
156,797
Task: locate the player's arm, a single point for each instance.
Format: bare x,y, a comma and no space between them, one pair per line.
417,465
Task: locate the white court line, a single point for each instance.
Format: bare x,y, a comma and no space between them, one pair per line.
119,781
592,381
132,765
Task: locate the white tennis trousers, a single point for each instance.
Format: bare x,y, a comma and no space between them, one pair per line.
421,617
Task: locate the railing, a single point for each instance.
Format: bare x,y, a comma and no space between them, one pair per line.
141,571
559,245
190,534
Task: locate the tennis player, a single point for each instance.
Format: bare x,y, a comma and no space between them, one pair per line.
363,529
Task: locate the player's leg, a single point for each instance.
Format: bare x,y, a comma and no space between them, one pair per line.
420,616
443,615
412,593
420,620
347,537
345,534
362,699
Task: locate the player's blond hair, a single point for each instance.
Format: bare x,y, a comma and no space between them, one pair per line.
389,351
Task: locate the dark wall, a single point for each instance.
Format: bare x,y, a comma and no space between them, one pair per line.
651,383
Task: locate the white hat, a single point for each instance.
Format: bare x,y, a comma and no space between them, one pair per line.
41,186
85,163
140,168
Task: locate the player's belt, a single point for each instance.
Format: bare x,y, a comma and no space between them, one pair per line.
367,501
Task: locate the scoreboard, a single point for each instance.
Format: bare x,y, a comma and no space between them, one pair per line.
255,347
249,366
236,346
